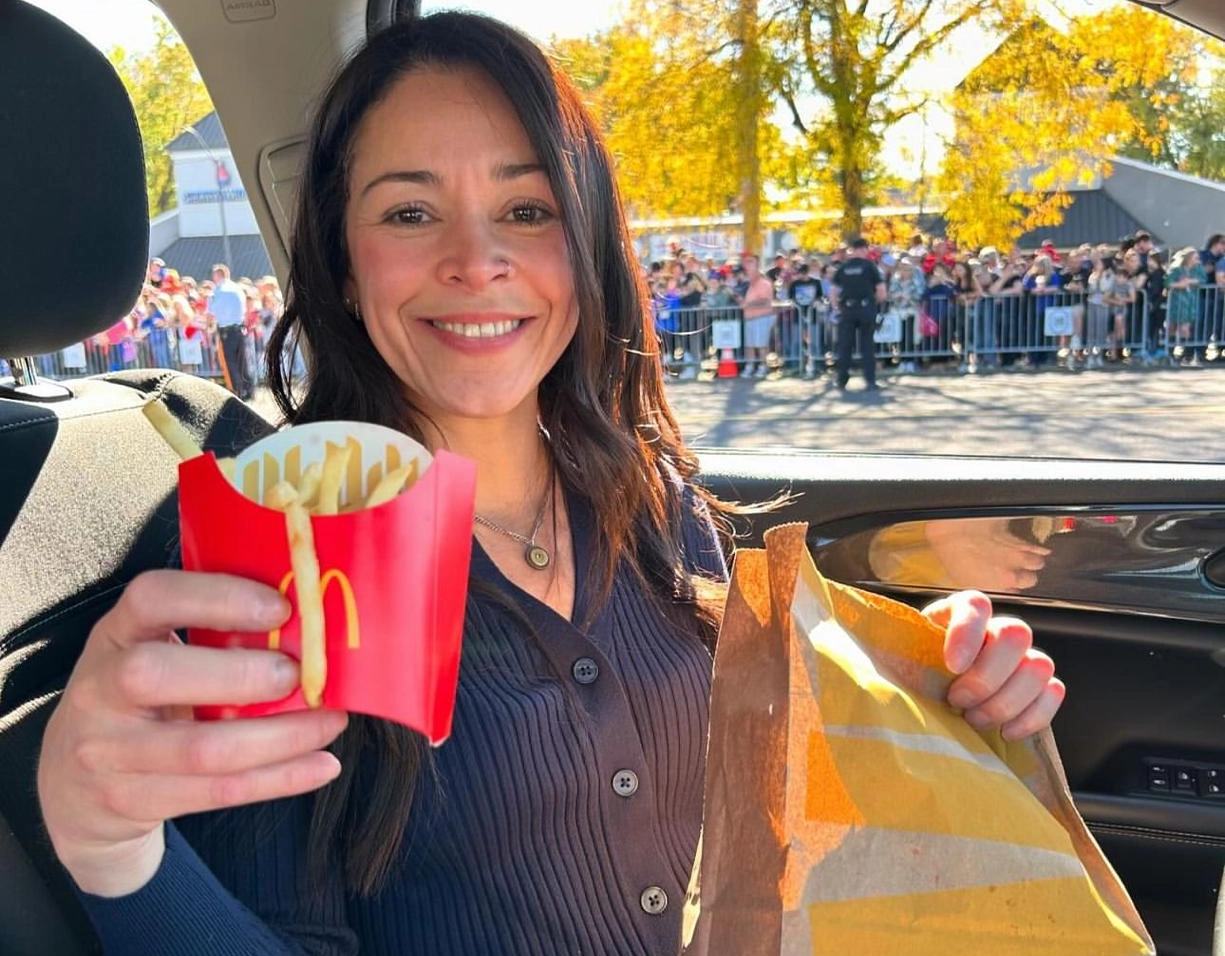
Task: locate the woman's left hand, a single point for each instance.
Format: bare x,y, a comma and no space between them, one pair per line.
1002,681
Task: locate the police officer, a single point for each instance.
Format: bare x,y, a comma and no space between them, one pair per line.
857,293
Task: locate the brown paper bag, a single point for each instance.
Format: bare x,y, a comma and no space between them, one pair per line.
849,810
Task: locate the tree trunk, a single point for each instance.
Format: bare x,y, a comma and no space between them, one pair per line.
851,181
748,117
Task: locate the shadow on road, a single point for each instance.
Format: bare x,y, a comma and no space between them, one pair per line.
1156,415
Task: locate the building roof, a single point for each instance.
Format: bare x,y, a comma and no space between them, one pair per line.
209,128
1094,216
196,256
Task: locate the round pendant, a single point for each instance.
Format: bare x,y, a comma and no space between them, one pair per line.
537,557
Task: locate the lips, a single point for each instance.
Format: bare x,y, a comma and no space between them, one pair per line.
478,330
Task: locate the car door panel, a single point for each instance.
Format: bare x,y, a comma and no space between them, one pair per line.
1122,604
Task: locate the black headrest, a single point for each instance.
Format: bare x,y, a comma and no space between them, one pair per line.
74,232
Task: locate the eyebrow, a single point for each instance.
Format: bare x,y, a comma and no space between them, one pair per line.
502,172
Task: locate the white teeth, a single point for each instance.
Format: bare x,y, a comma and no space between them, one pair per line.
486,330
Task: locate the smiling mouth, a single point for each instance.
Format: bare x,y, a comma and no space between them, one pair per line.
479,330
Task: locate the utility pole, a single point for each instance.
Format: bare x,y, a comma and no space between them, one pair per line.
225,233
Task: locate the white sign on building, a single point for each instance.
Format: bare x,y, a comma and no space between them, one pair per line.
201,183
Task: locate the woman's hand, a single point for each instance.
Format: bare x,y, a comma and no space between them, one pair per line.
122,754
1002,681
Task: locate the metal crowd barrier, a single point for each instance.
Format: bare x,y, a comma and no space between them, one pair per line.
1038,327
992,331
198,355
1195,322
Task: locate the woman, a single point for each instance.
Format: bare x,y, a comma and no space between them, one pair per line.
153,331
1121,299
905,296
938,312
461,269
189,333
1040,282
1154,310
1135,322
1100,290
968,294
1186,277
667,306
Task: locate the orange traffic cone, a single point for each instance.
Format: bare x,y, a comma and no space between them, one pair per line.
727,365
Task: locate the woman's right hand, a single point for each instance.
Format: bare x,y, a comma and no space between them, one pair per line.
121,753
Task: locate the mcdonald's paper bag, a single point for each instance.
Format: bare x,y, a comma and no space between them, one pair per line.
849,810
394,577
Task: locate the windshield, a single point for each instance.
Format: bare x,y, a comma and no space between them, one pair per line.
979,227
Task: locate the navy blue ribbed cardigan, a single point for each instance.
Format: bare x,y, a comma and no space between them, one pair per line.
560,818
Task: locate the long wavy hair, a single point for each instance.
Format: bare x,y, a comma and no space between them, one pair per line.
614,438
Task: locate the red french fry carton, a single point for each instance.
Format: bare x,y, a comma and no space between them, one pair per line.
394,577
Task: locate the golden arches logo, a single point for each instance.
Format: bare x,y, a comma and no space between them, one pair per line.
341,580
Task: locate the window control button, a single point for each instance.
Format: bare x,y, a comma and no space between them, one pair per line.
1184,778
1158,779
1212,783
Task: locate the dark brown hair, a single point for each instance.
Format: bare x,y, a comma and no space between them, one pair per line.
614,439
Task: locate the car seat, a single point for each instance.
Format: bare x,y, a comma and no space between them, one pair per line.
87,487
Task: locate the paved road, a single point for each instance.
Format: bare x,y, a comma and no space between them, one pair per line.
1166,414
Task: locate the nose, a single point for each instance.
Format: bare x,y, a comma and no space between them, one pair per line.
471,254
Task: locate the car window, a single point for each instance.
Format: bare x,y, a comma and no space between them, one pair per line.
1040,190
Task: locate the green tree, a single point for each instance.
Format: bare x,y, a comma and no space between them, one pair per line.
168,95
1196,139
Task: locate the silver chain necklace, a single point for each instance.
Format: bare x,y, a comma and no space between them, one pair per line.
536,555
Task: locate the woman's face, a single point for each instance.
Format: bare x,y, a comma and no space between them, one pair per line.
457,253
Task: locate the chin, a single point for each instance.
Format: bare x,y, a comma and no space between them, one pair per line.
474,404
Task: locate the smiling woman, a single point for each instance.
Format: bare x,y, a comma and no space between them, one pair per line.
461,269
459,263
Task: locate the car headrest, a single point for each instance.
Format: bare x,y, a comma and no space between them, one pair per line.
74,233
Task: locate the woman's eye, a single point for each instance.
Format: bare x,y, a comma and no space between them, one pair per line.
530,214
409,216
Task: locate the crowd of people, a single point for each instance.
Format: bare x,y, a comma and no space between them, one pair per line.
218,328
1124,302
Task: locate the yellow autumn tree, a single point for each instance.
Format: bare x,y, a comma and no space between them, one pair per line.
167,94
1048,109
857,62
681,94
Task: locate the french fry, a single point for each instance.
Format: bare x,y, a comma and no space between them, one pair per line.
335,464
305,564
229,468
391,485
171,430
281,495
308,487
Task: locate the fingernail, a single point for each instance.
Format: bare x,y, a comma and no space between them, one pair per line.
286,672
270,609
961,699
